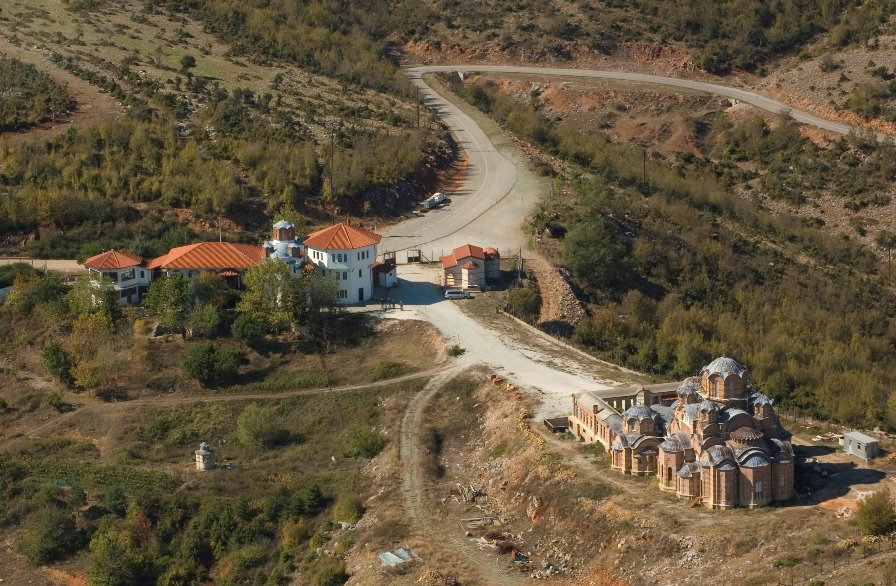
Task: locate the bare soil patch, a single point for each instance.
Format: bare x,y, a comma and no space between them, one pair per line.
500,484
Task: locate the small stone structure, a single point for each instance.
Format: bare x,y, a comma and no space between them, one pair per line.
861,445
205,457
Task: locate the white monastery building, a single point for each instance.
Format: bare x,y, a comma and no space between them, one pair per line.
130,277
348,253
345,252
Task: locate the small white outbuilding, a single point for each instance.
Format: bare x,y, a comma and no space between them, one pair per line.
861,445
205,457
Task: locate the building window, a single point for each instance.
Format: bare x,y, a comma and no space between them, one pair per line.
343,294
128,275
757,492
344,275
359,273
142,275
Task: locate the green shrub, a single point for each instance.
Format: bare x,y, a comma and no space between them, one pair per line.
876,514
334,575
388,369
203,320
210,365
260,428
455,351
9,272
56,361
248,330
364,443
50,538
30,96
524,304
55,400
187,62
348,508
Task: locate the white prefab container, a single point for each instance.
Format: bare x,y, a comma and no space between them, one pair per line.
861,445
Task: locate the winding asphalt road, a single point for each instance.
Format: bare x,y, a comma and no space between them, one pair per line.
492,204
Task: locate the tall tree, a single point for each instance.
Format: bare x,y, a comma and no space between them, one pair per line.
168,300
272,295
93,293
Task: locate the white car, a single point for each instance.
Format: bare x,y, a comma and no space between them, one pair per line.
456,294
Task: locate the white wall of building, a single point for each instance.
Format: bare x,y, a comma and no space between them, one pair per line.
125,279
350,267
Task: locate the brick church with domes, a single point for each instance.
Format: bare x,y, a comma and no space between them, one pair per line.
719,443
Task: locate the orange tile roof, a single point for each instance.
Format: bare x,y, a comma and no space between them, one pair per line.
210,255
469,265
113,259
469,250
460,253
342,237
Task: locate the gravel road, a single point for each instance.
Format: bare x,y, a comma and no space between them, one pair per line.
753,98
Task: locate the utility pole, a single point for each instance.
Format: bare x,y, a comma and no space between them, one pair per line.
330,166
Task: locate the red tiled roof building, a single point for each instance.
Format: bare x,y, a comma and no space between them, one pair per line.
128,273
348,253
470,266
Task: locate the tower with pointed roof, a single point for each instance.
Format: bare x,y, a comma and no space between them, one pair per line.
347,254
285,247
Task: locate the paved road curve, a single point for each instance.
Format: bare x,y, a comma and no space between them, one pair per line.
756,99
490,178
492,204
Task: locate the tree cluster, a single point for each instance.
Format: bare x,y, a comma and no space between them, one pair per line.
29,96
344,39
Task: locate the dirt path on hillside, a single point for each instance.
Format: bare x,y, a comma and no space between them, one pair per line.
92,105
174,401
413,491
